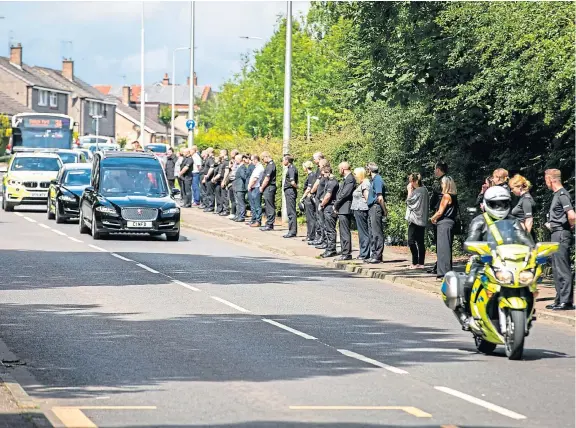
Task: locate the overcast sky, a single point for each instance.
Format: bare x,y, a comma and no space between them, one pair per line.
105,36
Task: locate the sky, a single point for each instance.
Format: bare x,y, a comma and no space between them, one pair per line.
103,38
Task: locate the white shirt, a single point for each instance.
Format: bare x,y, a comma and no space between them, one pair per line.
197,162
257,174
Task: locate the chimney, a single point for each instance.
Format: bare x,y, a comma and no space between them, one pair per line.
166,80
126,95
68,69
188,81
195,79
16,54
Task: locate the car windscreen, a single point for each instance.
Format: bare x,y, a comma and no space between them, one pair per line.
79,177
35,164
132,177
68,157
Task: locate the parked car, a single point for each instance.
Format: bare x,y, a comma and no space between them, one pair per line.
88,140
129,193
65,191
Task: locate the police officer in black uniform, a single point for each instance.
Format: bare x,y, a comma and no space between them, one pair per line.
561,219
342,208
309,205
219,171
203,171
210,187
268,190
327,208
290,187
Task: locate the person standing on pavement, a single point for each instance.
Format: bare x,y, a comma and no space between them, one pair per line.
377,212
210,187
231,177
561,220
268,190
186,176
317,158
171,159
319,190
196,172
440,170
290,187
177,168
524,209
417,211
219,171
360,209
254,195
308,202
444,219
327,208
203,171
240,187
342,208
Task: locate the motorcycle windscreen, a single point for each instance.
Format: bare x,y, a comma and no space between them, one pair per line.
511,232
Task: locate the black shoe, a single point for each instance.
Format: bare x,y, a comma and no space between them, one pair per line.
343,258
240,220
321,246
266,229
289,235
563,307
224,214
186,206
361,258
551,306
328,254
432,271
373,261
208,210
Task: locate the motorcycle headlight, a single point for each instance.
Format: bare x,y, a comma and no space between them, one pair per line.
171,211
106,210
526,277
504,276
67,198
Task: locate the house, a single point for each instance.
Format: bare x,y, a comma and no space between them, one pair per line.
46,90
128,123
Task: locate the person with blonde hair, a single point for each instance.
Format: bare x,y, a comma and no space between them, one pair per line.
417,209
524,209
445,219
500,177
360,210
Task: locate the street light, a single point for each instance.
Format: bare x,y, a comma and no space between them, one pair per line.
251,37
142,91
173,91
191,93
308,117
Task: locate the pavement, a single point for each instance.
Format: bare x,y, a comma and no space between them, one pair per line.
395,267
136,331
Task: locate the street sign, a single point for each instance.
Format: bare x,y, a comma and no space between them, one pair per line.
190,124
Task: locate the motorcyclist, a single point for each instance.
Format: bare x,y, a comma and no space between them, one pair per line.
484,227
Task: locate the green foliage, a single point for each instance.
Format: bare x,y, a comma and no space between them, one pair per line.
122,141
165,116
5,132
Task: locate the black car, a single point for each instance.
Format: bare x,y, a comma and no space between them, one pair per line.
129,193
65,191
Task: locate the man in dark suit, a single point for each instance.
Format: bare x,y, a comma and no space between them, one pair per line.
290,187
342,208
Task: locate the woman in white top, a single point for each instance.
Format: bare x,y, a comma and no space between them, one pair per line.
360,209
177,168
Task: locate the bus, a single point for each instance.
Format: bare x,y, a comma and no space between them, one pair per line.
31,131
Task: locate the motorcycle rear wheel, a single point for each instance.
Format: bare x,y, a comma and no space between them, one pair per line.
484,346
515,334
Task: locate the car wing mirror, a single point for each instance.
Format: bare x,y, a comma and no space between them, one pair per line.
53,181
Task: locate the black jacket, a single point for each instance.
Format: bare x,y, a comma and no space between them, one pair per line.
344,195
170,164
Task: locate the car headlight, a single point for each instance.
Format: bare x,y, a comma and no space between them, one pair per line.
67,198
171,211
14,182
526,277
504,276
106,210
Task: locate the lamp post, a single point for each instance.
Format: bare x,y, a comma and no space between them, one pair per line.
308,123
142,91
191,94
287,100
173,92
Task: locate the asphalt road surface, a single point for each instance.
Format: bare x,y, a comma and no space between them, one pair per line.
140,332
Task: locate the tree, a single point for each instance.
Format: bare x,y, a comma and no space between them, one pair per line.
165,117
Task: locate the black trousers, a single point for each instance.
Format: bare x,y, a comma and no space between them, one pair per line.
330,225
290,195
171,182
344,221
561,267
218,197
232,198
203,192
210,195
361,218
310,219
270,205
240,204
320,229
416,243
445,238
225,199
376,232
187,191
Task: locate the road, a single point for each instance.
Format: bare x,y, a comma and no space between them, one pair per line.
140,332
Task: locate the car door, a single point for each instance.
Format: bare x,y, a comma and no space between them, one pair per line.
89,195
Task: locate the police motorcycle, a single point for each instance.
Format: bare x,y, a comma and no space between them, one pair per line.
494,299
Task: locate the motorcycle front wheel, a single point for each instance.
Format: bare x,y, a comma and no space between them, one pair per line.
515,334
484,346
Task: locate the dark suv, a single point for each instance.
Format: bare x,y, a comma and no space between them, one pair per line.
129,193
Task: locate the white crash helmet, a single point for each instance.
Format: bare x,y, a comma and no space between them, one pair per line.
497,202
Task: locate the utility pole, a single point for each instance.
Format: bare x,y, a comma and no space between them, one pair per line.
191,101
286,131
142,91
172,117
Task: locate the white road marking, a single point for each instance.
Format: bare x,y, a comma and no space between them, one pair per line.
74,239
443,350
183,284
232,305
19,214
371,361
291,330
45,226
58,232
118,256
149,269
479,402
31,220
97,248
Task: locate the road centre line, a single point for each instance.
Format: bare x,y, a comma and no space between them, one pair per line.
479,402
97,248
31,220
71,238
149,269
45,226
414,411
291,330
232,305
118,256
59,232
73,417
19,214
183,284
371,361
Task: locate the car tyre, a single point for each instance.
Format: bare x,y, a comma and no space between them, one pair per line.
95,234
6,206
173,237
49,213
81,225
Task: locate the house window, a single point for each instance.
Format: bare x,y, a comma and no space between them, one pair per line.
42,97
53,99
104,110
95,108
